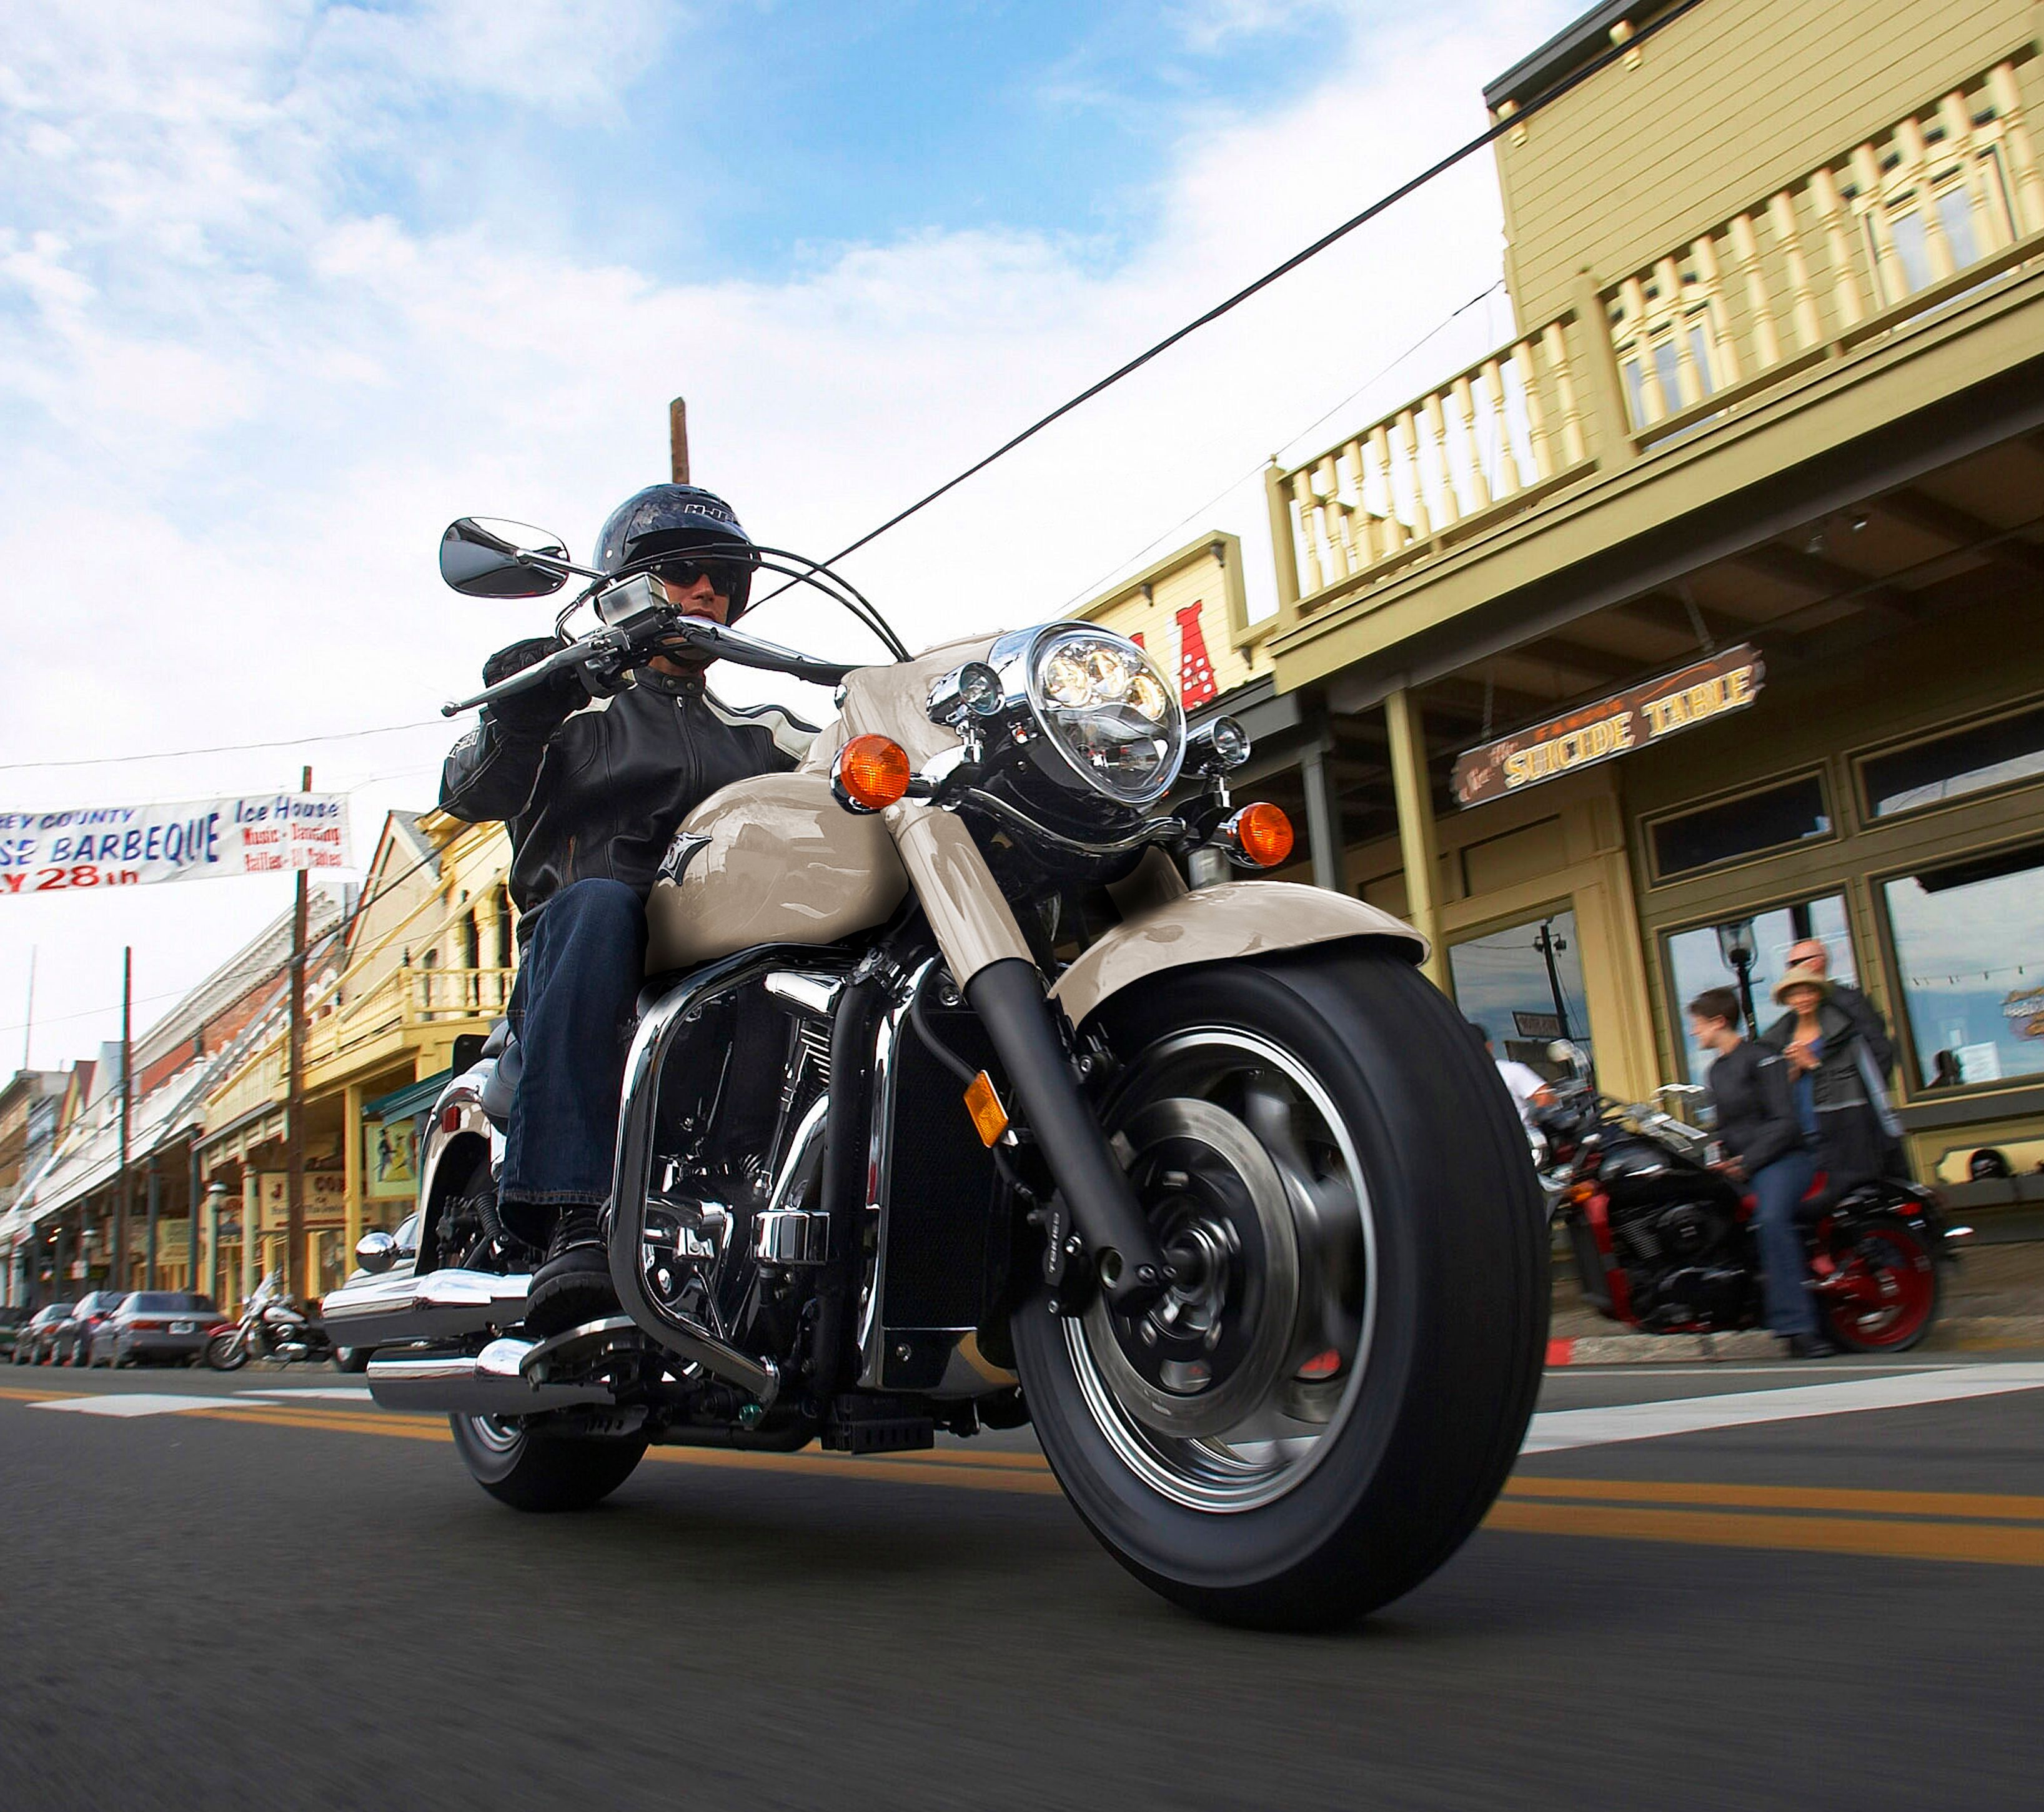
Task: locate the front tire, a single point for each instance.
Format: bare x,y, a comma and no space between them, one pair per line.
532,1471
1329,1400
223,1352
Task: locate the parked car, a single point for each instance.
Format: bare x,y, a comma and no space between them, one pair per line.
73,1339
32,1345
396,1254
13,1317
155,1327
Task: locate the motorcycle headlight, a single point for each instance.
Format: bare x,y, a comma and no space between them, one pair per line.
1103,709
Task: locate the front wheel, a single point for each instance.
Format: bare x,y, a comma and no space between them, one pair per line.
224,1352
533,1470
1328,1399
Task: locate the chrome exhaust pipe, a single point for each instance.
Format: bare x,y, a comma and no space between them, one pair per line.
442,1305
491,1383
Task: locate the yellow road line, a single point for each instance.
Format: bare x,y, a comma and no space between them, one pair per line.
1912,1525
1992,1506
2018,1547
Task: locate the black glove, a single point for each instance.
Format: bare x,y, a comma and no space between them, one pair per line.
539,710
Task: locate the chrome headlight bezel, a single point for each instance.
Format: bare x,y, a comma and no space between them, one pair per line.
1034,720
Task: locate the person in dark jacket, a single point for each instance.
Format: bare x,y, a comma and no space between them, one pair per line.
1757,1122
1815,955
1835,1078
592,791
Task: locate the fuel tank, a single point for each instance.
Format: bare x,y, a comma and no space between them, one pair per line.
771,861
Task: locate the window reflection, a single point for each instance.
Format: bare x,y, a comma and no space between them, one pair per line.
1970,942
1696,960
1524,986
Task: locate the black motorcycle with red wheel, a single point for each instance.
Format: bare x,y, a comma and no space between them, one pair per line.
1664,1240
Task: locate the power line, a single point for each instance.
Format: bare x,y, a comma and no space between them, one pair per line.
1377,377
1411,184
220,748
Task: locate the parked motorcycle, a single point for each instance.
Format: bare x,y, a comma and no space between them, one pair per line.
1664,1241
272,1326
972,1087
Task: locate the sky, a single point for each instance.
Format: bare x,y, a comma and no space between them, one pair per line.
285,287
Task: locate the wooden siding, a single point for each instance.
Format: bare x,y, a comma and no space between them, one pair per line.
1737,99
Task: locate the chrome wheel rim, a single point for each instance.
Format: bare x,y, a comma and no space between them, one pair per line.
1253,1184
494,1433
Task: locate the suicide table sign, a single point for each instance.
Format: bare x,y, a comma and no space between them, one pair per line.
1611,727
126,846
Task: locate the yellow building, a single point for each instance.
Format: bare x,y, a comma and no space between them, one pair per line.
1705,613
425,961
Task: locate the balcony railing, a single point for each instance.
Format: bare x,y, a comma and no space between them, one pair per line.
1917,215
404,999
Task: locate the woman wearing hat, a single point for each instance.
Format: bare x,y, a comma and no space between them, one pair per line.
1834,1079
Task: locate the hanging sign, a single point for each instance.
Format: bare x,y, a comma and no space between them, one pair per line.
1611,727
125,846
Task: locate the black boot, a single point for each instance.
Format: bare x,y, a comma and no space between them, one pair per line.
1809,1346
573,1285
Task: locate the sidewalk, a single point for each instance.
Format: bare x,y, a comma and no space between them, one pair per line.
1993,1301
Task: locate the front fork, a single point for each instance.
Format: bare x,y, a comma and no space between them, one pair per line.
986,953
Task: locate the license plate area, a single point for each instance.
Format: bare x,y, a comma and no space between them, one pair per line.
184,1327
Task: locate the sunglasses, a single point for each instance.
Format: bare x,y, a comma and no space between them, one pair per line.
725,577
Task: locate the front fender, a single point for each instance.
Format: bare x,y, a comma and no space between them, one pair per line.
1222,924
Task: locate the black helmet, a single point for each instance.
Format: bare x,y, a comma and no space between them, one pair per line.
1987,1164
676,521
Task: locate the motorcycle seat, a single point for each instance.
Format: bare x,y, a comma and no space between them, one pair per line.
507,1064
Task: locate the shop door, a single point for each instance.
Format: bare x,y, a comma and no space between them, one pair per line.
1524,985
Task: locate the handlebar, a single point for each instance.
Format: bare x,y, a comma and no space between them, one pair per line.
614,647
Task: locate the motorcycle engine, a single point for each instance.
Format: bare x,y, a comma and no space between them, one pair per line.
1679,1259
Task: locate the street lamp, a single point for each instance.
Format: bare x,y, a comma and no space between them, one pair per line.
1739,947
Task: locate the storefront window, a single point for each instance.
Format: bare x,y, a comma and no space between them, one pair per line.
1524,986
1698,959
1969,943
1970,760
1777,818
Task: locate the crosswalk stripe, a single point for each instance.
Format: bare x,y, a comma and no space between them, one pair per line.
1556,1430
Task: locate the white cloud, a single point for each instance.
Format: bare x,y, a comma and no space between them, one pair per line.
241,404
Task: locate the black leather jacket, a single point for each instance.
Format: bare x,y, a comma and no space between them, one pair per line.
1755,1102
603,795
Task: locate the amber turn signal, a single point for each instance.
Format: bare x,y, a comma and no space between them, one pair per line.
988,1115
871,773
1262,833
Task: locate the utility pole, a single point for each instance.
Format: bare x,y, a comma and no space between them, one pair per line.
1546,943
118,1280
678,439
294,1102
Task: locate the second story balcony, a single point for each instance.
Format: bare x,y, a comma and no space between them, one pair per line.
1900,273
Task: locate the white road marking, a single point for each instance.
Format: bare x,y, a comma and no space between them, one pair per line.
141,1403
338,1393
1559,1430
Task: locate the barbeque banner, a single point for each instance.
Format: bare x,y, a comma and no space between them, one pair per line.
1611,727
126,846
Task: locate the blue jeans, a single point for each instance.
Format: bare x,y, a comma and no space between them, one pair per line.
572,1011
1778,1187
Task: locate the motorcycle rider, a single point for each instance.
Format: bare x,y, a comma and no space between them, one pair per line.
592,790
1758,1122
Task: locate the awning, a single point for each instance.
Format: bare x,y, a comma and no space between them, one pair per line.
414,1098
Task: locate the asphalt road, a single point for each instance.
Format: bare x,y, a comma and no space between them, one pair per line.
291,1599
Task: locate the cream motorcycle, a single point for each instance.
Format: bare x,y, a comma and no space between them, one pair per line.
974,1085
